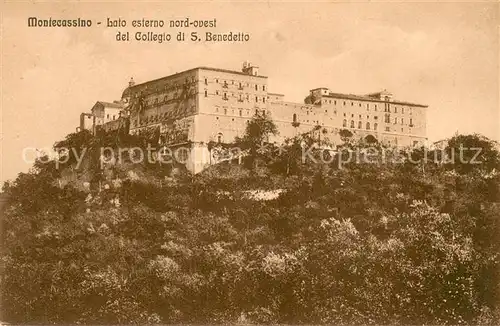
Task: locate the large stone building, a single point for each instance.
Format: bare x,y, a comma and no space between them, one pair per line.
203,105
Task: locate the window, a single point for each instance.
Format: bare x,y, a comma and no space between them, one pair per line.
216,92
359,104
264,88
411,122
402,121
217,81
256,99
294,117
206,93
352,103
352,123
360,125
256,87
375,126
395,109
344,114
367,126
225,96
344,123
264,112
387,129
107,117
403,110
113,117
206,81
335,102
375,107
219,138
395,120
360,116
264,100
225,111
344,103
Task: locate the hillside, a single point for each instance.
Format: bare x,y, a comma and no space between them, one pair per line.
405,243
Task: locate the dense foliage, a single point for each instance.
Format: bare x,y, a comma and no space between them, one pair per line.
365,244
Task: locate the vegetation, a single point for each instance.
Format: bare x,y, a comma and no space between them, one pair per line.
411,243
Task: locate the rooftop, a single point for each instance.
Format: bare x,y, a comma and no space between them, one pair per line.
111,105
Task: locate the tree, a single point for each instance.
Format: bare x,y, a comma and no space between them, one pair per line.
256,137
345,135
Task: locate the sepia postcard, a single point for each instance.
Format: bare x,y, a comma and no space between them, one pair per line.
268,162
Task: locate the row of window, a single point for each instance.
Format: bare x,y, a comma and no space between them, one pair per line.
360,125
386,109
368,117
242,112
240,97
240,84
344,103
388,120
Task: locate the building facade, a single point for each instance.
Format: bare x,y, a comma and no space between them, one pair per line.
104,115
204,105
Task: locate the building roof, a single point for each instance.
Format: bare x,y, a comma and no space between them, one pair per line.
315,89
370,99
111,105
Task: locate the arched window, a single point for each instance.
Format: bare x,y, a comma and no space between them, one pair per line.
367,126
344,124
219,138
352,123
375,125
360,125
295,117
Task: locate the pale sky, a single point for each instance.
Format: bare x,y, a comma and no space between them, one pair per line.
443,55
